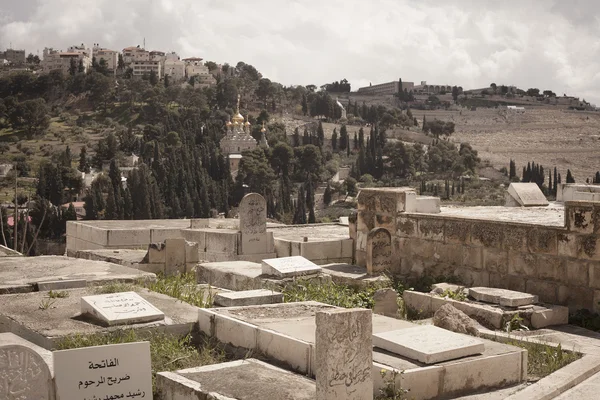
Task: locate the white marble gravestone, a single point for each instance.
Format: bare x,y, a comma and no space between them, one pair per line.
24,375
344,354
428,344
119,371
253,224
289,266
120,308
503,297
527,194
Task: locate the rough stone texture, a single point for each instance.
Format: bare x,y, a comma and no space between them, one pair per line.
242,380
24,375
503,297
344,355
428,344
442,287
248,298
449,318
386,302
379,250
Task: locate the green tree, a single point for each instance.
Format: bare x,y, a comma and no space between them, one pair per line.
31,116
72,67
343,142
120,62
153,78
300,214
455,93
570,178
334,140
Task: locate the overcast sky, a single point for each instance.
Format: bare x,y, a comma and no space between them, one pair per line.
546,44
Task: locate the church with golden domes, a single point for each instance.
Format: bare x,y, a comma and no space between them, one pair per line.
238,139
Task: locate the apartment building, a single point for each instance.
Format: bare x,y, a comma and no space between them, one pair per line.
141,68
194,67
110,57
175,69
386,88
61,60
14,57
135,53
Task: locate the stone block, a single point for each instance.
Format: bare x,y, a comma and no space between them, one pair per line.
406,226
588,247
542,240
515,238
323,250
498,280
128,237
385,222
344,349
120,308
487,234
428,344
248,298
361,241
235,332
360,258
551,268
594,275
296,248
579,217
418,302
549,315
160,235
196,236
472,257
576,298
291,351
450,254
347,248
283,247
458,232
516,283
222,242
387,201
379,250
527,194
495,260
473,278
523,264
255,243
502,297
156,253
422,249
80,374
432,229
206,321
61,284
175,256
386,302
24,374
422,382
289,266
192,253
567,245
199,223
546,291
428,204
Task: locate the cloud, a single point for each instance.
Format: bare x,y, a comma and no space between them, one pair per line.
538,43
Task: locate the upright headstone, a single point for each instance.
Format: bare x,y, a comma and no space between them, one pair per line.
24,375
120,308
379,250
386,302
253,224
344,354
119,371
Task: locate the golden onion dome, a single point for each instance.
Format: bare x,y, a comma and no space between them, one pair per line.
263,127
247,123
238,118
228,123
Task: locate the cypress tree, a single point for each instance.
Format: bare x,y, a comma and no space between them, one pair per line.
555,181
355,141
320,134
334,140
327,195
84,164
570,178
343,137
300,214
512,170
550,189
361,138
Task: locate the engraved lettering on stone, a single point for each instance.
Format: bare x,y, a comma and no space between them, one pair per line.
253,214
380,250
23,374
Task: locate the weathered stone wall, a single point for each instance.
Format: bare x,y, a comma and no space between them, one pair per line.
559,264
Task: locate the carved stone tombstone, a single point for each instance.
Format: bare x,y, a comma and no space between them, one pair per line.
24,375
344,354
253,224
379,250
253,214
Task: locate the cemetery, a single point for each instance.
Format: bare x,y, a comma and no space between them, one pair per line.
246,309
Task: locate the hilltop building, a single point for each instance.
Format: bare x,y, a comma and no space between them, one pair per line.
237,140
13,56
135,53
110,57
388,88
61,60
194,67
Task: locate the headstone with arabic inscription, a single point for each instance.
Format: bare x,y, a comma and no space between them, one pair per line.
24,375
344,354
119,371
120,308
379,250
253,224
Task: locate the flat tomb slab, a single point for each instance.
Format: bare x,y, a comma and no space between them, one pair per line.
248,298
44,321
120,308
244,380
527,194
56,268
289,266
428,344
503,297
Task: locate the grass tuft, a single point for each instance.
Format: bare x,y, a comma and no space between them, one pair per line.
329,293
184,288
544,359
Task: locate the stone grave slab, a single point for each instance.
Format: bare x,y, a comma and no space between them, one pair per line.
248,298
120,371
527,194
285,267
120,308
503,297
428,344
24,374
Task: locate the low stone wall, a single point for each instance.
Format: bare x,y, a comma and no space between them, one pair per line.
321,253
559,264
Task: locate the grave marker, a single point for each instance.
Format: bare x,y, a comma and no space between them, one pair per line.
120,308
527,194
253,214
289,266
428,344
379,250
24,374
344,354
120,371
503,297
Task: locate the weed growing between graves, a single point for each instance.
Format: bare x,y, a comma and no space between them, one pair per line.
115,287
392,390
184,288
58,295
544,359
329,293
168,352
585,319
